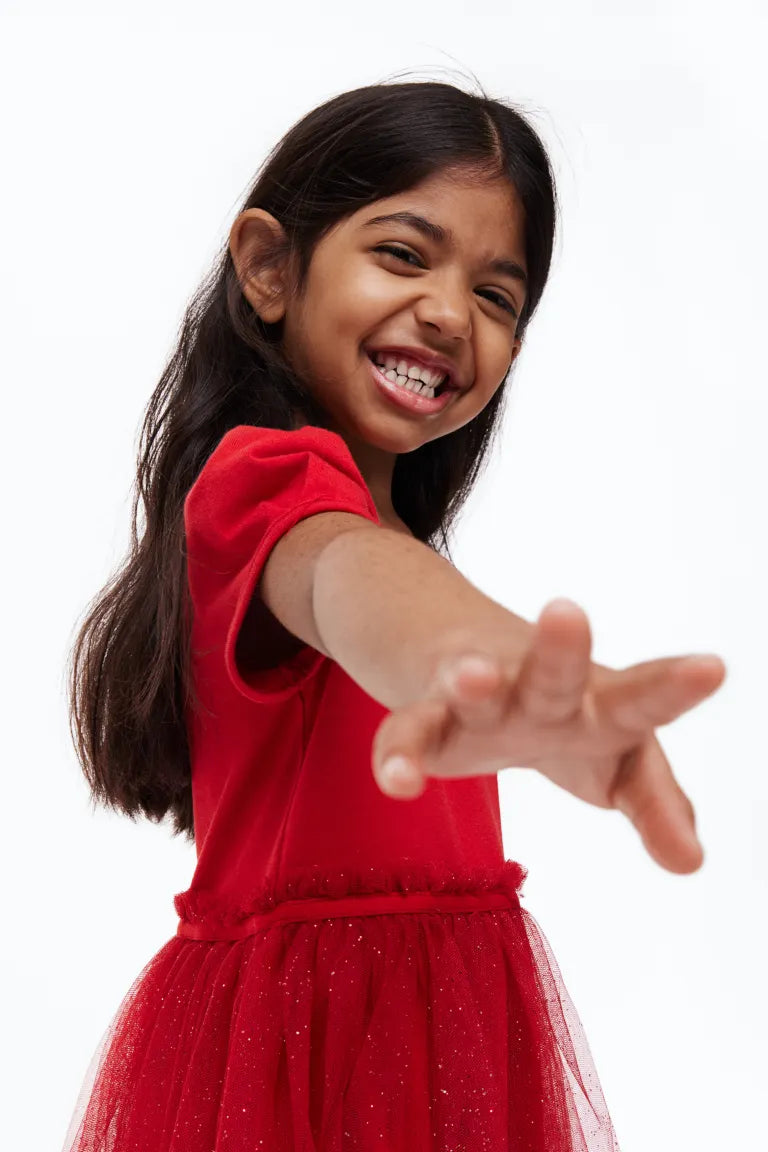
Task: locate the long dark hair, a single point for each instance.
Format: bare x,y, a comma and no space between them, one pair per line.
129,667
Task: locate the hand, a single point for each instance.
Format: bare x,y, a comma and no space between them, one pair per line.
588,728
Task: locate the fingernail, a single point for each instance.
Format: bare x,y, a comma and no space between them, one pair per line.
396,770
692,838
562,604
474,665
704,659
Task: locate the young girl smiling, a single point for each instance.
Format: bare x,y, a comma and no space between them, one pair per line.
353,967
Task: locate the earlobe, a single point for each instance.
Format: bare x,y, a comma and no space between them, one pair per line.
253,239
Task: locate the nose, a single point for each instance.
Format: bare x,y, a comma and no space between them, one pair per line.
448,311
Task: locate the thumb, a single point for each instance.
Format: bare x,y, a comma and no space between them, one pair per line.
648,794
403,742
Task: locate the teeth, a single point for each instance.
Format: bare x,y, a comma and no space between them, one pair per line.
420,380
410,385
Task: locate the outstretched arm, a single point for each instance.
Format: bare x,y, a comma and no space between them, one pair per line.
399,618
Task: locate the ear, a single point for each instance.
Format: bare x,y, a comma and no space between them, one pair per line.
254,239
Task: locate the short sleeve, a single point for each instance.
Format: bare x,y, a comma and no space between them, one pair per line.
256,484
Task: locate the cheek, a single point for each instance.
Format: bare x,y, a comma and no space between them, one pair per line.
493,352
354,313
343,304
371,295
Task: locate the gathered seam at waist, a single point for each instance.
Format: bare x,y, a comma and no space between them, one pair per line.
368,904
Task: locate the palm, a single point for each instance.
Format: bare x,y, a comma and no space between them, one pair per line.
588,728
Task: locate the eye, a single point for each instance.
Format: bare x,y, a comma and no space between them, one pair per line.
404,253
504,303
399,252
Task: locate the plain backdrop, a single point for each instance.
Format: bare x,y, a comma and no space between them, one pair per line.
631,478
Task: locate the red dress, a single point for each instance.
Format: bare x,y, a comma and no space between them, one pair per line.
350,971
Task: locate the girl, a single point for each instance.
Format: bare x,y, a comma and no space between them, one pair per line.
352,967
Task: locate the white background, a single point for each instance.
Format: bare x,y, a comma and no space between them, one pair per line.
632,479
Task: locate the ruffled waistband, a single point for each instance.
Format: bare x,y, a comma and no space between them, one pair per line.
312,894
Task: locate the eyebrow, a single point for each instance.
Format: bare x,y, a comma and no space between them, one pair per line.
440,235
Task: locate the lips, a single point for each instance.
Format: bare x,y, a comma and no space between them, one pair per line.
405,398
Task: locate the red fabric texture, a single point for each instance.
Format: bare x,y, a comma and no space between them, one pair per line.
349,971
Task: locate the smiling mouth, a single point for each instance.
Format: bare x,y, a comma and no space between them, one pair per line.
443,386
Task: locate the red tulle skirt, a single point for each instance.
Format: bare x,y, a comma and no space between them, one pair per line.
423,1013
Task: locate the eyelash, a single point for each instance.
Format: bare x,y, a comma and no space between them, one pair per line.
398,252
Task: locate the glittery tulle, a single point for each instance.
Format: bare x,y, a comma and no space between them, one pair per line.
412,1032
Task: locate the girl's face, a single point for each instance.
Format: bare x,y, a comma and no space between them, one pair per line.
388,284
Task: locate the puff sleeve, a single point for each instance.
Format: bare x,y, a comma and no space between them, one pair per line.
256,484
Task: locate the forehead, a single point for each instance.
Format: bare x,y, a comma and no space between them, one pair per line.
481,217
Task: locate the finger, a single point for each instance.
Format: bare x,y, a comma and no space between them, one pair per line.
554,674
408,737
474,687
656,692
646,791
